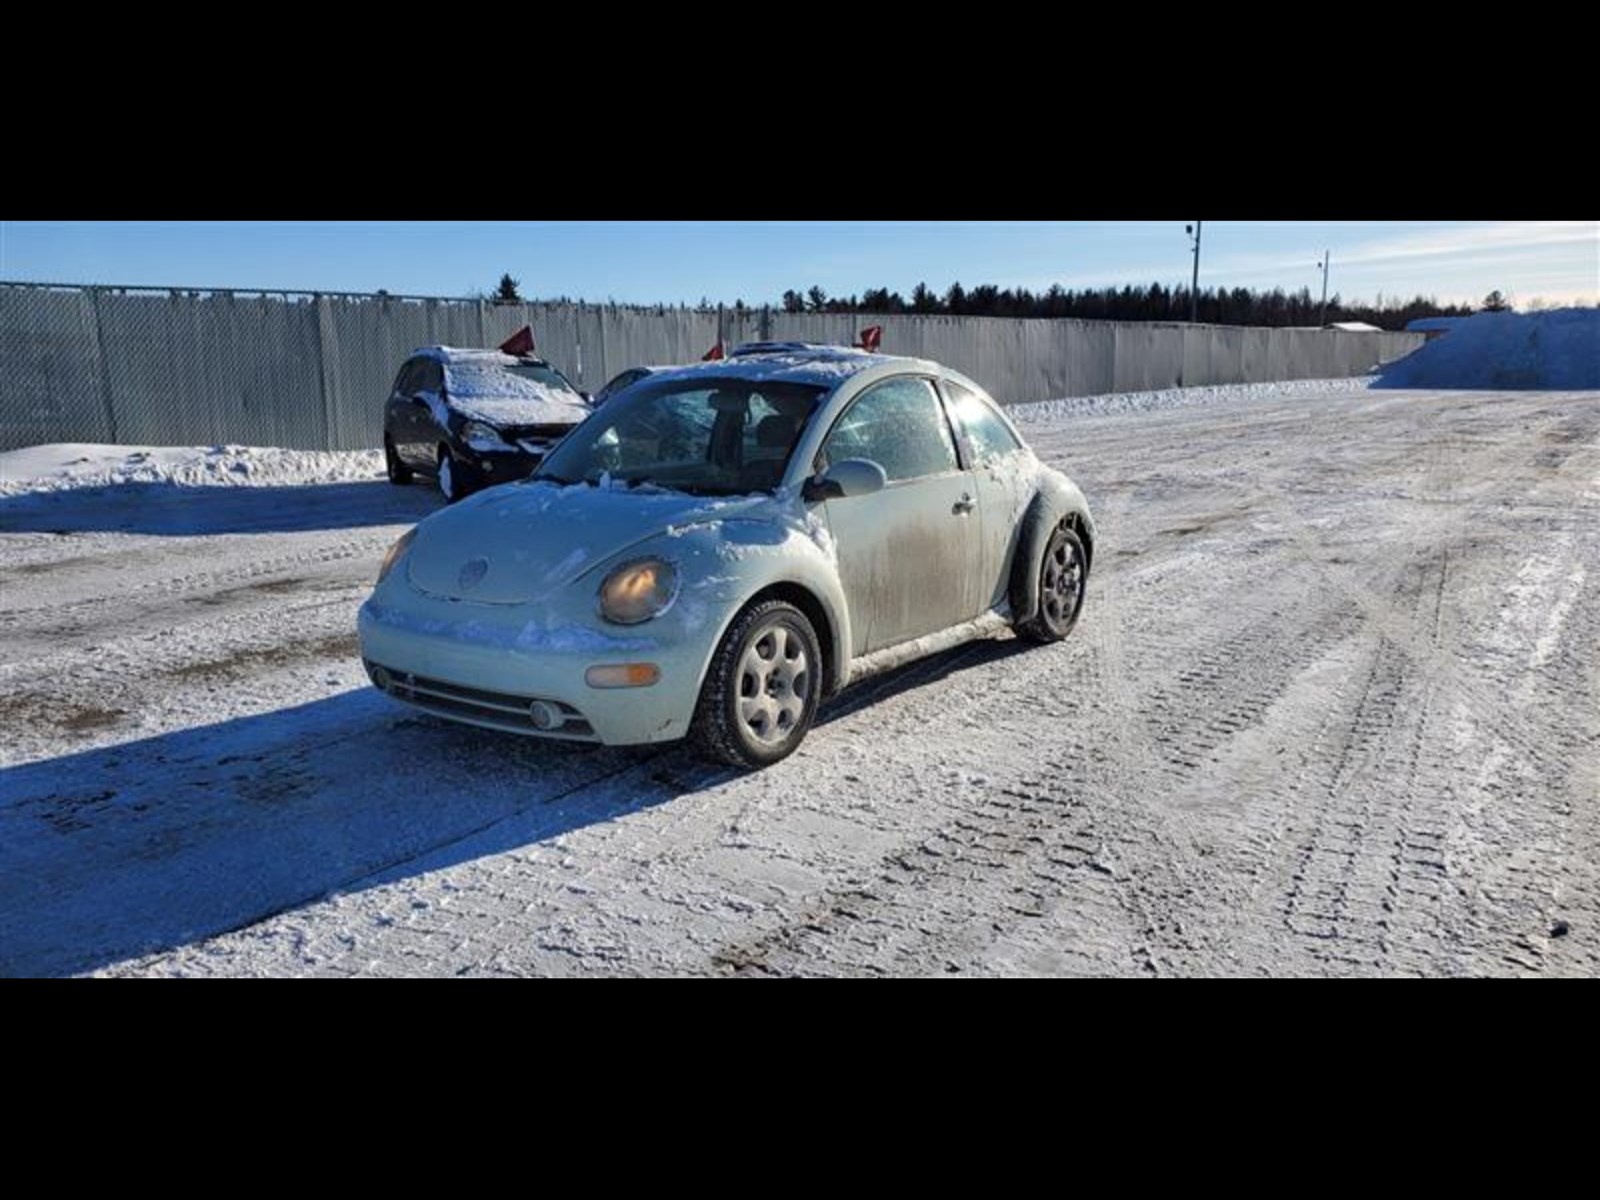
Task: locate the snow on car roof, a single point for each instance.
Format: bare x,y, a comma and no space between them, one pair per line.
825,366
478,357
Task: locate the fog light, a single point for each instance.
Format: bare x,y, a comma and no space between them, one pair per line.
543,716
620,675
380,677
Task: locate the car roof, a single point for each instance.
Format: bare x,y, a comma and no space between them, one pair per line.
794,362
460,355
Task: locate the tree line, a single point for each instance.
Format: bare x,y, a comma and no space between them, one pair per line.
1157,302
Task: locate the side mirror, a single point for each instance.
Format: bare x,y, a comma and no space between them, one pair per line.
586,398
848,477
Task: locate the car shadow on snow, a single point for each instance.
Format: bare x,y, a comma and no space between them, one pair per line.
178,510
152,844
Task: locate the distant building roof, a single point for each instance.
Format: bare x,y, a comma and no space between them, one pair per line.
1433,324
1355,327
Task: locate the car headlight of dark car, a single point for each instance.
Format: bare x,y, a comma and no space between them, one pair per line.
638,590
481,436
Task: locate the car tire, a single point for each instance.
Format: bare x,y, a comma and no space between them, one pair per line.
399,473
1063,580
452,477
762,688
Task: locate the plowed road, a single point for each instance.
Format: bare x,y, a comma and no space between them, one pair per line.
1333,708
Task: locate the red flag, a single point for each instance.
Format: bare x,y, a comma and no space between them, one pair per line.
520,342
870,337
712,355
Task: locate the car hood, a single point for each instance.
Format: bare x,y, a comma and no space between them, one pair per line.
523,542
503,411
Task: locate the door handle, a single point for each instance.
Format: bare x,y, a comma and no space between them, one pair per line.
964,505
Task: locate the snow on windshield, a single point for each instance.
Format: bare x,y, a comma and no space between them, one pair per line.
511,395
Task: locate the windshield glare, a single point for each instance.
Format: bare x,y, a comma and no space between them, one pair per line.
704,436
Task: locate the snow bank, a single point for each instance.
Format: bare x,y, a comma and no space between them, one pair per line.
65,465
1558,349
1043,411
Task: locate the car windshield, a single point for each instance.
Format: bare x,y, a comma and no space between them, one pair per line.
705,436
543,373
523,381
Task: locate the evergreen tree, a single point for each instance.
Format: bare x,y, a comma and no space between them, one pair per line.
923,299
1151,302
507,292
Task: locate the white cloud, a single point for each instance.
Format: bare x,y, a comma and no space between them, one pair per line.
1508,235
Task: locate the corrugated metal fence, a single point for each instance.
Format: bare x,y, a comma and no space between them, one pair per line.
181,367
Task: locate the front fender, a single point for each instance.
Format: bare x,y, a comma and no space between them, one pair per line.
1057,500
723,565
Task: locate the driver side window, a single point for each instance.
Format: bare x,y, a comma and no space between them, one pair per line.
899,425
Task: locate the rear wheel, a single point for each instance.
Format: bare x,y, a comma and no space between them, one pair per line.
1063,573
762,688
399,473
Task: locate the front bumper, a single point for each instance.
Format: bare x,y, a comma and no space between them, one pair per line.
498,466
487,664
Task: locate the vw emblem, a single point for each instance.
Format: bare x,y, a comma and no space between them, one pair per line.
472,574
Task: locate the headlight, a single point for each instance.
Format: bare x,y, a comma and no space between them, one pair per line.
396,553
638,590
482,437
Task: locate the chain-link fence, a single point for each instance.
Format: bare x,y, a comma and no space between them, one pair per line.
308,370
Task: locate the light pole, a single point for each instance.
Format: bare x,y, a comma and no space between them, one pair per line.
1194,287
1326,256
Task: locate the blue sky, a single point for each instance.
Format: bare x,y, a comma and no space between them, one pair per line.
648,262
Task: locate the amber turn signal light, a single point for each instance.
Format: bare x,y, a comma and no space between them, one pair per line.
622,675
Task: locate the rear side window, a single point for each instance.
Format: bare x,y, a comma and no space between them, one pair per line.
406,382
626,379
899,425
984,429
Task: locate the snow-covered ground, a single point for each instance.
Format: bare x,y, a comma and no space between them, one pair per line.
1332,709
1045,411
65,465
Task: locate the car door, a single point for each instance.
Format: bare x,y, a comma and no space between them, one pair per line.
424,401
409,422
908,555
397,422
1004,476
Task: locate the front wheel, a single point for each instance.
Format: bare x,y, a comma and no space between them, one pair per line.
452,479
1063,574
762,688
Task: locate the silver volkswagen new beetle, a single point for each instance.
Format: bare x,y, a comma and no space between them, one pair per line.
721,546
